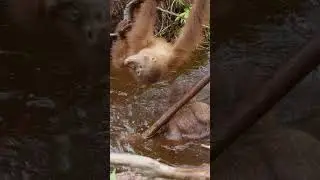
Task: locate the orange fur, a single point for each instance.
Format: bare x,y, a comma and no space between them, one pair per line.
149,58
119,50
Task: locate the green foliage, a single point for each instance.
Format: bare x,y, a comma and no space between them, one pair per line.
182,17
113,175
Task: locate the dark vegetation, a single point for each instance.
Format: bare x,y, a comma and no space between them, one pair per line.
168,23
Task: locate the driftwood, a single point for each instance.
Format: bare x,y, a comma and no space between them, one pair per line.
247,112
153,168
173,109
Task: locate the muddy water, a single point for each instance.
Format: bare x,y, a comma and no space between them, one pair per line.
252,40
133,110
52,102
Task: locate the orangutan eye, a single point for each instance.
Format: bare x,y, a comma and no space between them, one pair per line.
131,65
153,59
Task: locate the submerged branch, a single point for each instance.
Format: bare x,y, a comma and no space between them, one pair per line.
173,109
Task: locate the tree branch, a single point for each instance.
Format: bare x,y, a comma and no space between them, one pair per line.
127,15
168,12
128,10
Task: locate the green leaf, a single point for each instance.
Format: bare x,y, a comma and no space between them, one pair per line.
182,17
113,175
187,12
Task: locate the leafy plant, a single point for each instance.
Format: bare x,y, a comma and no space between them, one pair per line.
182,17
113,175
186,10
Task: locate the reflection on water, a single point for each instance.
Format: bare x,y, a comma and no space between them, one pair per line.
254,54
51,102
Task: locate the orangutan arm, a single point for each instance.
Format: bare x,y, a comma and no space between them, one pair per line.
119,49
141,33
191,35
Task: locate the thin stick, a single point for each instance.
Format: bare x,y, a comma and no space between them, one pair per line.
166,11
173,109
114,34
154,168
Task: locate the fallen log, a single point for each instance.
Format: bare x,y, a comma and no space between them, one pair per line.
153,168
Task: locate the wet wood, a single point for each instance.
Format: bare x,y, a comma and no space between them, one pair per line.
153,168
228,127
173,109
